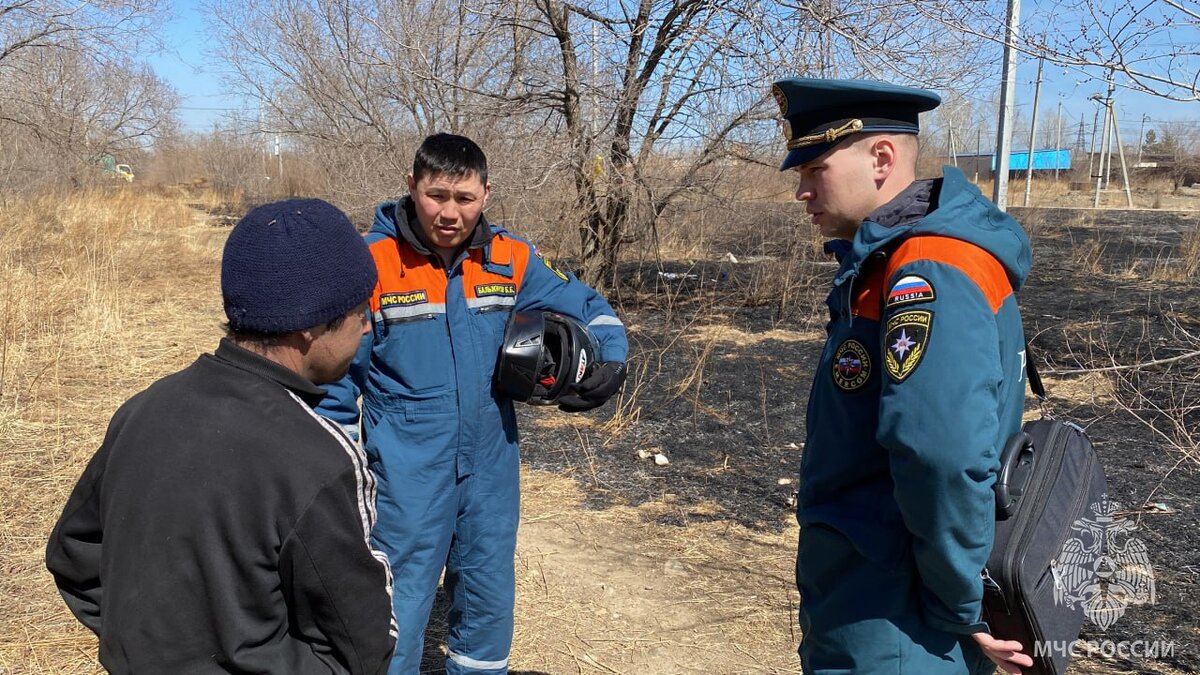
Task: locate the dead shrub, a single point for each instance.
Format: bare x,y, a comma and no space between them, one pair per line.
1184,265
1089,256
1189,252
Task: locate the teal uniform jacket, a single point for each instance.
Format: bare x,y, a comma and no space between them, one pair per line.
920,383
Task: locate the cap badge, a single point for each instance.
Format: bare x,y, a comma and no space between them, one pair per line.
780,98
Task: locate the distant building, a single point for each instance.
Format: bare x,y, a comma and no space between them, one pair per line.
983,165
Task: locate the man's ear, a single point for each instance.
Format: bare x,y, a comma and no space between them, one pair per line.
487,193
412,184
884,153
307,337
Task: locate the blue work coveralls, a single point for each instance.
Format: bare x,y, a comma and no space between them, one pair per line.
441,442
920,384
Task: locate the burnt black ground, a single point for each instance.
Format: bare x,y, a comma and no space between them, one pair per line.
732,438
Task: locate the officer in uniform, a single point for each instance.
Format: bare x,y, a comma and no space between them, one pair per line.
919,384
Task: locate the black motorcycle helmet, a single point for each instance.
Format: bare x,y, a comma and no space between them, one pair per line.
542,353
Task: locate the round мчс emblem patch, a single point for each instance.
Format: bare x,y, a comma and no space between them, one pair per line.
851,365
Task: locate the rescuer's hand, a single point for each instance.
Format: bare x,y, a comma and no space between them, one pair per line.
605,380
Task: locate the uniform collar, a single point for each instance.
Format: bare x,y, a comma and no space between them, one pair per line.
913,203
240,357
888,223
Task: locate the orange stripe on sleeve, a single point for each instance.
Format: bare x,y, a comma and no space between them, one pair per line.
980,266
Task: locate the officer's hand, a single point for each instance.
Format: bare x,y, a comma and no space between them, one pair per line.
1004,653
604,381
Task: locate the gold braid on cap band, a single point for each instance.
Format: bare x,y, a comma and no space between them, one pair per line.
827,136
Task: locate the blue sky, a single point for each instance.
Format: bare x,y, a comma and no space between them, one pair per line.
1072,88
193,73
196,75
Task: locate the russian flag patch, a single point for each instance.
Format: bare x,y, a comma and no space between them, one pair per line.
910,289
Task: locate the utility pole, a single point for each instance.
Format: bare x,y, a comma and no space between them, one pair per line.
1007,91
595,80
279,156
1037,95
978,152
1121,154
261,137
1141,140
1107,156
950,144
1095,126
1101,177
1057,140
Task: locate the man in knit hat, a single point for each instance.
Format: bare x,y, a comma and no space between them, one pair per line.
223,526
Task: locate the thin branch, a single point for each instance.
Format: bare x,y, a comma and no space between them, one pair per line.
1132,366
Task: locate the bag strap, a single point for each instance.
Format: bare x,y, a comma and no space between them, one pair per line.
1031,373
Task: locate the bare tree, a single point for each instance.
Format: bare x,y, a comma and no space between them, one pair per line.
1153,44
682,88
1177,146
69,87
360,81
367,69
105,27
637,105
66,98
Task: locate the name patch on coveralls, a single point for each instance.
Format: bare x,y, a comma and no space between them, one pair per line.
910,289
851,366
907,335
406,299
484,290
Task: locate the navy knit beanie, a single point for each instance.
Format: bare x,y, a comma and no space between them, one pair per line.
293,265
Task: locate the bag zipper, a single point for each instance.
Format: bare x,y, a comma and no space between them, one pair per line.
1011,571
1080,501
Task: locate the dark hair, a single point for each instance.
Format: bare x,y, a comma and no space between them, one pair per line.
256,338
270,340
449,154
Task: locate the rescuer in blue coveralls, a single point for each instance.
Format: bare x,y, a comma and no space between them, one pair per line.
919,385
441,442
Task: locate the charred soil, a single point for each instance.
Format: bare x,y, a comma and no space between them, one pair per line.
723,354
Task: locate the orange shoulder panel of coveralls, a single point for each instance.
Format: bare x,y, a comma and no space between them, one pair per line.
479,282
980,266
868,294
404,271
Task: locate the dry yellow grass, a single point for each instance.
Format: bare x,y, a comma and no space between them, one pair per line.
727,333
1146,193
1095,389
101,293
105,292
